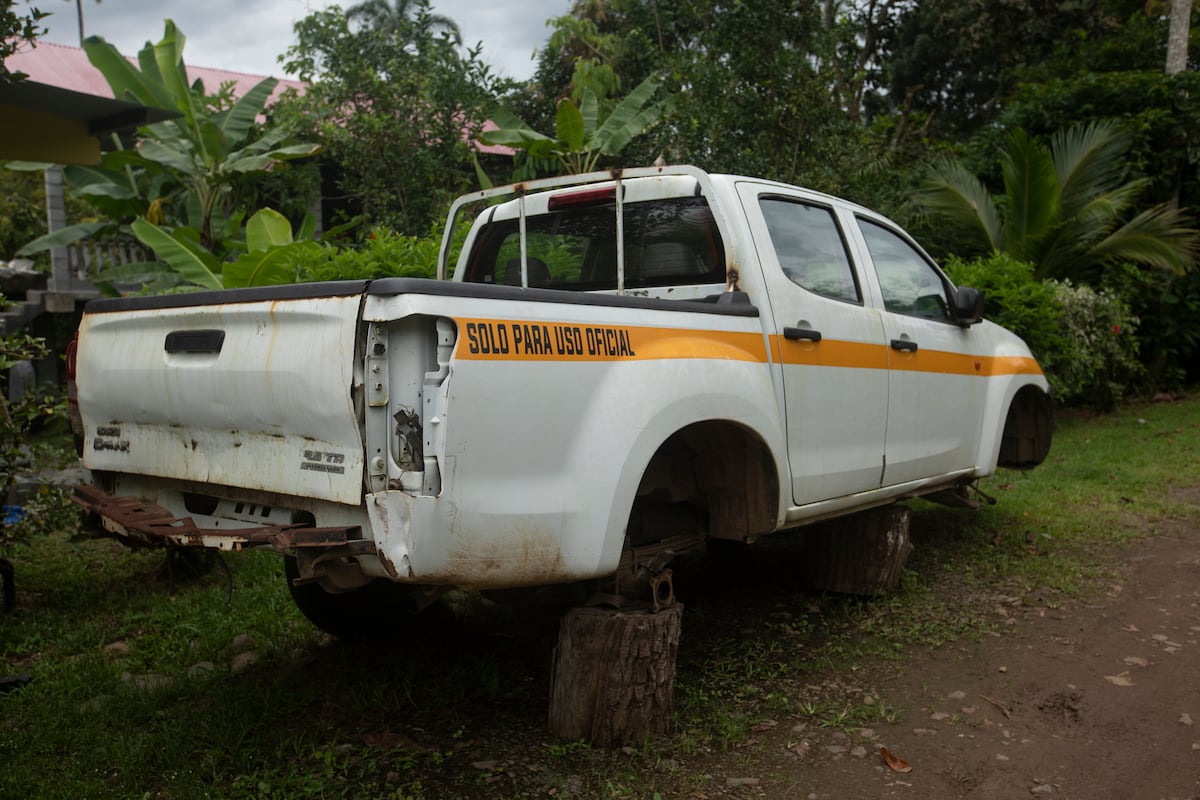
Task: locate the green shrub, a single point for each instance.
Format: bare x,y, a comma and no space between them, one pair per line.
1168,308
385,254
1084,339
1101,364
22,210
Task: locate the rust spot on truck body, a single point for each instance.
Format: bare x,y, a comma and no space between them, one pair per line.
733,278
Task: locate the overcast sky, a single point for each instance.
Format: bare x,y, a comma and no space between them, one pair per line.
247,35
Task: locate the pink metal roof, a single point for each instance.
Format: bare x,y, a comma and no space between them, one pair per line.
68,68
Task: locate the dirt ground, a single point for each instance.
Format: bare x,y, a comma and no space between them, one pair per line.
1094,698
1097,699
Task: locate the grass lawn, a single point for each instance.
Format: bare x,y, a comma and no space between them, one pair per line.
182,683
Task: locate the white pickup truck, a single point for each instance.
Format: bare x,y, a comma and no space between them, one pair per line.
621,364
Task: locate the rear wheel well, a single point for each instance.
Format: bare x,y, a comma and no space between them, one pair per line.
1027,429
711,479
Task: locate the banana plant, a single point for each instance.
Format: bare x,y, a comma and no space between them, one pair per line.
580,138
203,149
269,256
181,171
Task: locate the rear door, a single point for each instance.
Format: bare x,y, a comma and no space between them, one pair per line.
830,344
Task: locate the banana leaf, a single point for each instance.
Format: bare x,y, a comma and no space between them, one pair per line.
62,237
126,81
266,267
237,121
625,122
266,229
194,268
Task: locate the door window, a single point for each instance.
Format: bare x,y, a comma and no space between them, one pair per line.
910,284
810,248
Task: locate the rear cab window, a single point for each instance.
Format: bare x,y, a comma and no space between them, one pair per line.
668,242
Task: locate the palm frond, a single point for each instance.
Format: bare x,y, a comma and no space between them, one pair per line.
953,193
1088,161
1160,237
1031,189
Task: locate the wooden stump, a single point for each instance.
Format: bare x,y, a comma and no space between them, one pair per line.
860,554
613,679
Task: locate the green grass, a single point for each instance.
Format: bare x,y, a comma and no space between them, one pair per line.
133,695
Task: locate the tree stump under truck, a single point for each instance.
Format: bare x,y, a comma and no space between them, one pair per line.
613,679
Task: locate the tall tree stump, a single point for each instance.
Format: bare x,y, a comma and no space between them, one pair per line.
613,679
863,553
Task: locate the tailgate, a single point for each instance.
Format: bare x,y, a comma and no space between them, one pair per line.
248,389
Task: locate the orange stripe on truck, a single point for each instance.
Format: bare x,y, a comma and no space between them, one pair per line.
863,355
529,340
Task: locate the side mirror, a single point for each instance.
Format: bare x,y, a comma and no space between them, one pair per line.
968,305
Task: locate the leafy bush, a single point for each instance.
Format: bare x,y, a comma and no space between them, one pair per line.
22,452
1083,338
385,254
1101,363
1168,307
22,210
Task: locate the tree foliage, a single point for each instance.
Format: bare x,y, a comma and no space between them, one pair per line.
958,62
17,31
772,88
1161,113
396,116
405,21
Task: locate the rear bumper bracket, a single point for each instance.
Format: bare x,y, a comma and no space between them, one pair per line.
136,521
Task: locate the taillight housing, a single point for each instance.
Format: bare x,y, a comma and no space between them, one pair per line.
73,415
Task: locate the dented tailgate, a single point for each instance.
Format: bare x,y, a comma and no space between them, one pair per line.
250,388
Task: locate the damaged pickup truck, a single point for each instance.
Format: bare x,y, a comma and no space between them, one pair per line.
615,368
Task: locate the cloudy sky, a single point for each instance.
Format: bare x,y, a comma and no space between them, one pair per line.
247,35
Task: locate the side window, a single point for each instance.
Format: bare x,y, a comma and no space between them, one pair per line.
810,248
910,284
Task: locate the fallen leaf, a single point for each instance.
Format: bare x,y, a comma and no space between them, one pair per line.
1119,680
1130,629
1185,719
765,725
894,763
1136,661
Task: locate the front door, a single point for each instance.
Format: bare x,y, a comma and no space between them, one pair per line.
934,405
